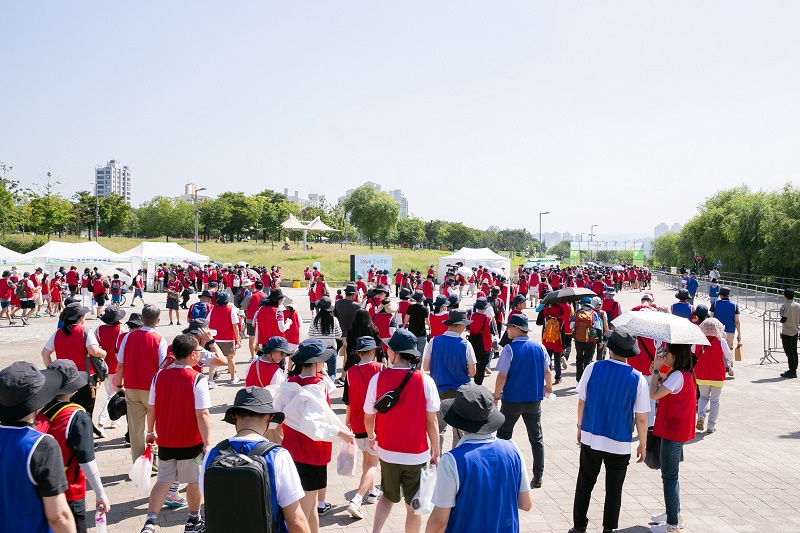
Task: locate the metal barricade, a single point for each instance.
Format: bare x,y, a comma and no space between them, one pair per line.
772,335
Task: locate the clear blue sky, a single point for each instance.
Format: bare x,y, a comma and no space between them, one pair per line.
621,114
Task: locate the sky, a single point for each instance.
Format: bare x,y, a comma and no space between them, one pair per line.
619,114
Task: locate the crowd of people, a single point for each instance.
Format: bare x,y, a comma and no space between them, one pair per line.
411,365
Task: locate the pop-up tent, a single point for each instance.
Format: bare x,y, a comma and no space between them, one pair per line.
152,253
473,257
56,254
10,257
315,226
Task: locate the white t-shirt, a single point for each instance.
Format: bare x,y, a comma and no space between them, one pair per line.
89,337
287,480
640,405
431,405
202,397
674,382
447,482
426,353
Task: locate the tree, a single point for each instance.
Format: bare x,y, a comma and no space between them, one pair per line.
50,212
457,235
244,211
10,197
274,210
156,217
214,216
83,209
560,250
114,213
373,213
410,230
434,233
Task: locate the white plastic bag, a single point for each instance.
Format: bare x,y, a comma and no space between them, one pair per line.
423,500
141,471
346,464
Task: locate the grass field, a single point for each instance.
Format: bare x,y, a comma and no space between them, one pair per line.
334,258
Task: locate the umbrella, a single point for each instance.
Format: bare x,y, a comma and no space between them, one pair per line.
497,271
662,327
217,263
464,271
617,268
251,272
124,271
241,263
570,294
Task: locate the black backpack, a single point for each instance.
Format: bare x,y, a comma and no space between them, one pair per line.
229,476
20,291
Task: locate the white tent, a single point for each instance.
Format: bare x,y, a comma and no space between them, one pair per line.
10,257
473,257
152,253
315,226
56,253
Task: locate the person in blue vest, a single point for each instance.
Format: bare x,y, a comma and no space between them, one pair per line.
523,379
610,395
451,361
691,286
727,312
682,307
32,480
468,472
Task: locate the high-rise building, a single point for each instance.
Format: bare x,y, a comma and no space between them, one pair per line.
114,178
676,227
660,230
189,192
313,200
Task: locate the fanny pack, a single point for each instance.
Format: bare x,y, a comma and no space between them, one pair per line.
390,399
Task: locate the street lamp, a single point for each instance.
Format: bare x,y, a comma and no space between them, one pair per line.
96,213
196,190
591,237
540,230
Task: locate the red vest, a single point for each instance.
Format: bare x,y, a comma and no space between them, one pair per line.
176,420
437,326
72,277
73,347
710,363
255,301
382,321
403,428
107,337
267,324
402,308
303,449
57,426
141,359
643,361
220,319
482,323
260,373
292,334
675,416
358,378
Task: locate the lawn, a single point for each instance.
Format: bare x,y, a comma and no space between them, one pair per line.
334,258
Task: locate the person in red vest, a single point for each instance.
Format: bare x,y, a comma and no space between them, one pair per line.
268,368
99,287
407,436
610,305
225,321
173,289
675,424
108,337
269,319
71,426
139,357
55,294
179,422
361,287
427,291
74,341
249,313
481,331
710,371
72,280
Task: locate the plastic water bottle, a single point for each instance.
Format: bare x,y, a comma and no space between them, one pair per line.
100,521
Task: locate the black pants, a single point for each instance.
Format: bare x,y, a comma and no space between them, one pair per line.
480,371
584,351
616,468
790,348
566,344
531,413
428,303
185,296
78,509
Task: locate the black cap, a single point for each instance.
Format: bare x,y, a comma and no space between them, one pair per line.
472,410
74,311
519,320
456,317
350,289
195,325
135,319
311,351
71,379
256,400
324,304
622,342
112,314
24,389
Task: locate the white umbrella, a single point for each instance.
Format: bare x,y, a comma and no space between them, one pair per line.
241,263
464,271
497,271
661,327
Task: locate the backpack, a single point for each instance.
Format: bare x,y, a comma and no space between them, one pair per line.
199,310
584,326
20,291
552,330
227,477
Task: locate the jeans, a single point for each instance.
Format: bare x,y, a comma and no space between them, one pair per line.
556,358
671,453
709,394
583,356
790,348
531,413
616,469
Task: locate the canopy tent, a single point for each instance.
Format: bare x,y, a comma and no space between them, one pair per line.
315,226
152,253
10,257
474,257
67,253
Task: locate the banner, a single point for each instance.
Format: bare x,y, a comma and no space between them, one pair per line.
359,264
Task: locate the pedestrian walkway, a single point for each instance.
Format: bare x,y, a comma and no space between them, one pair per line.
741,478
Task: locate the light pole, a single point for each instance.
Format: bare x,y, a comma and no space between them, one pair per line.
196,190
540,230
591,237
96,212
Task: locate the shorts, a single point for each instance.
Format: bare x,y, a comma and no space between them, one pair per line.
227,348
313,477
116,298
137,293
100,299
251,329
395,477
72,288
172,304
312,306
183,470
4,303
363,445
27,304
45,296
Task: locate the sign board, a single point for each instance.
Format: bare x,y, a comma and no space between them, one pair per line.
359,264
698,259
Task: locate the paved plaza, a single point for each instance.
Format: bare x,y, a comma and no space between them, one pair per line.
744,477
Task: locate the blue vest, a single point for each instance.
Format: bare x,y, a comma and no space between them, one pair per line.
682,309
478,465
525,381
245,446
449,362
691,286
725,312
610,397
713,292
21,507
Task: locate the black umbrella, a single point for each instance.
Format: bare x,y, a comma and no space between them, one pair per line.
124,271
570,294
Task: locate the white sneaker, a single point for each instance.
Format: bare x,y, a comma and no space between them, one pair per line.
664,528
355,510
235,380
374,495
662,519
113,425
211,385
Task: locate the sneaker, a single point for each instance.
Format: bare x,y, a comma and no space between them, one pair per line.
374,495
195,526
355,510
557,381
322,511
787,374
730,371
339,382
149,528
170,323
700,424
215,376
711,429
662,519
235,380
211,384
563,364
178,323
577,530
24,321
664,528
175,501
113,425
536,483
98,431
132,305
488,372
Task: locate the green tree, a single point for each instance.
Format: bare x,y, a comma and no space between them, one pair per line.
780,228
10,197
560,250
434,233
244,211
50,212
114,213
214,217
274,210
83,209
457,235
156,217
410,230
373,213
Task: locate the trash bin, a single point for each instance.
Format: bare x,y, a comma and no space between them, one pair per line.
295,284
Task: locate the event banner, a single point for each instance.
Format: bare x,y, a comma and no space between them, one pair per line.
359,264
603,246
